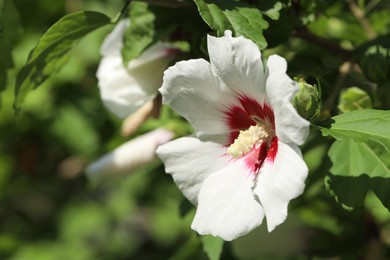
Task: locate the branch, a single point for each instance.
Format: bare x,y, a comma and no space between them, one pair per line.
305,34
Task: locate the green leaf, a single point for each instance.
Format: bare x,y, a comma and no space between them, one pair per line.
357,168
240,18
351,158
271,8
53,50
360,157
151,23
9,35
212,246
140,33
362,125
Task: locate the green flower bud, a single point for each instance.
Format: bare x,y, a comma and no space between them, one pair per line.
376,68
354,98
307,100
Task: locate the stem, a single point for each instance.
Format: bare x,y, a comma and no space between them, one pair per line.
122,11
305,34
344,69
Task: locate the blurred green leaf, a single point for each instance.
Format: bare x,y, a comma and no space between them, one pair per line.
53,49
9,34
354,98
362,125
240,18
75,131
212,246
140,33
376,68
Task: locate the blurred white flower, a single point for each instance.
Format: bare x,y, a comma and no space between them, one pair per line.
130,156
125,89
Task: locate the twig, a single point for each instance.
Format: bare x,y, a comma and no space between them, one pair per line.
360,17
344,69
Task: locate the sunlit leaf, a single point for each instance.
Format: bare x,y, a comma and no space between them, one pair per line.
53,49
236,16
362,125
351,158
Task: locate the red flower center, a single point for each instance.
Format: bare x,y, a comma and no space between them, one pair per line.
252,132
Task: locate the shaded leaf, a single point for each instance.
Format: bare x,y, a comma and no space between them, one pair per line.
357,168
150,23
9,34
240,18
53,49
350,192
360,156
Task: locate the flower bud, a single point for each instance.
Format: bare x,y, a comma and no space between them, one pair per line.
307,100
354,98
130,156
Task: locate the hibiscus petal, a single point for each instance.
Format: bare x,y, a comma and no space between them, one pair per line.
190,161
237,61
193,91
279,182
290,126
227,207
118,89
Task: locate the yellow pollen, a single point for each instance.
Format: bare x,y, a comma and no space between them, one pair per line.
246,140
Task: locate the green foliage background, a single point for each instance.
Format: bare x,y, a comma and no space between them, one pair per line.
49,210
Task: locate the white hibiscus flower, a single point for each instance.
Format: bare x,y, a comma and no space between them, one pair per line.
244,162
125,89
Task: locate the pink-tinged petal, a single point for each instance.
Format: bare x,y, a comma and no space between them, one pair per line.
237,61
227,207
290,127
190,161
129,156
193,91
280,181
